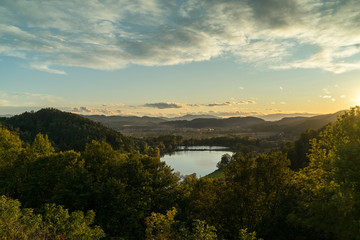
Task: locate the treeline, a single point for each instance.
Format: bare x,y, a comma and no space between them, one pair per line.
243,144
136,196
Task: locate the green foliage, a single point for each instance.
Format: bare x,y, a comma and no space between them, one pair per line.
201,197
54,223
59,223
163,227
255,188
10,150
158,226
10,146
224,162
202,231
245,235
327,190
165,143
16,223
41,146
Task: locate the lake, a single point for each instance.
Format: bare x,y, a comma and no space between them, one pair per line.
201,160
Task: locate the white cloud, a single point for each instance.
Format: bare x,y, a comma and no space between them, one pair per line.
110,35
45,68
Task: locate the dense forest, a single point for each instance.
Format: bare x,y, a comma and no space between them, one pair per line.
66,177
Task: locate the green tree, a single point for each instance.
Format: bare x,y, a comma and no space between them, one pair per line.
202,231
327,190
245,235
159,226
17,223
60,224
41,146
10,151
255,187
225,160
54,223
163,227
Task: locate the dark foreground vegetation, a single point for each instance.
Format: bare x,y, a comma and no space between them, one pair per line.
117,188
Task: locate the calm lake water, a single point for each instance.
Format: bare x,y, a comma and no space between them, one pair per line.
201,160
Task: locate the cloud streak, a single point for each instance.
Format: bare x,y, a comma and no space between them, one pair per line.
229,103
110,35
25,99
163,105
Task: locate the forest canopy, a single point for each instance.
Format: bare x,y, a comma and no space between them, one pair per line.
102,190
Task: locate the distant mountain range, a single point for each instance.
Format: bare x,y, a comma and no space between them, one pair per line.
291,126
192,124
279,116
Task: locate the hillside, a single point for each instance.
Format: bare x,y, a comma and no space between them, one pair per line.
66,130
296,125
119,122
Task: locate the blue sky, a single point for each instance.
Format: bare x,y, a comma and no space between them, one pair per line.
170,58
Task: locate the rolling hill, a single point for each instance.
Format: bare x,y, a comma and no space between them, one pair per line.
290,126
65,130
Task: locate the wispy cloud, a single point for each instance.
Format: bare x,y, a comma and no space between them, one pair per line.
229,103
110,35
4,102
94,111
245,102
36,96
25,99
45,68
163,105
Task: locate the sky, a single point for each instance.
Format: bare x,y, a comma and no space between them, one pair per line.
168,58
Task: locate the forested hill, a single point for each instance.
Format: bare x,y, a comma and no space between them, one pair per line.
297,125
67,131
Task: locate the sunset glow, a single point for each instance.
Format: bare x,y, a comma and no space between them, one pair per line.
153,58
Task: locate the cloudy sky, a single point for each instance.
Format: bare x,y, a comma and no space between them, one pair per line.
174,57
